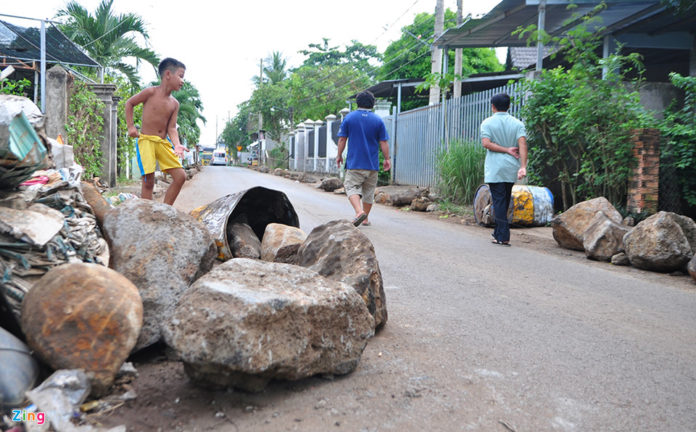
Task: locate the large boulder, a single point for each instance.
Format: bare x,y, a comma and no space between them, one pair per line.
281,242
83,316
399,195
162,251
569,228
243,241
691,267
247,322
658,243
603,238
330,184
342,252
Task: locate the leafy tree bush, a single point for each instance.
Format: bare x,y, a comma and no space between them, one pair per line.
84,128
579,123
679,130
15,87
460,171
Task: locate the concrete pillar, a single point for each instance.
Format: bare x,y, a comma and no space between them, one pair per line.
105,93
317,125
58,82
331,146
301,148
309,125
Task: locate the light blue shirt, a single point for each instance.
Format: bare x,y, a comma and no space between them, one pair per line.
503,129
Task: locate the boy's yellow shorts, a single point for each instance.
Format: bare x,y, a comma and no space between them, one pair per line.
152,149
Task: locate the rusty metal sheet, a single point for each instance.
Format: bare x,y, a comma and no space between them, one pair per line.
256,207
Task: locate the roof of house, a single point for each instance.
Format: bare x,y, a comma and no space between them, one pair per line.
636,23
23,44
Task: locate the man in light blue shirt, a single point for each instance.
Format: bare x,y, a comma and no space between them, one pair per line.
504,138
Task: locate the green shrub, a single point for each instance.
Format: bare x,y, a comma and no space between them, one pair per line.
84,128
460,171
14,87
679,130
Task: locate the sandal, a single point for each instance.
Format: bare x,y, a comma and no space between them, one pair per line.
367,223
359,219
498,242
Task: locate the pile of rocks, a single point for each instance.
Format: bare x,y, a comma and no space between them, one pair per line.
664,242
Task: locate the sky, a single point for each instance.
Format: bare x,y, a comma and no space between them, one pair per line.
222,42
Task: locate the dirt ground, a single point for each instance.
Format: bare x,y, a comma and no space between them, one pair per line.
167,401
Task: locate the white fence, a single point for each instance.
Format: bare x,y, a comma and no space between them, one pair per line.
423,133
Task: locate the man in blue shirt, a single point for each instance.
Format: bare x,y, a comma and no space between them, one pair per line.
366,133
504,139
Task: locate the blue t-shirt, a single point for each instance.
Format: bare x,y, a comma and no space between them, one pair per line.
364,130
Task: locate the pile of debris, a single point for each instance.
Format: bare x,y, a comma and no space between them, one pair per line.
236,289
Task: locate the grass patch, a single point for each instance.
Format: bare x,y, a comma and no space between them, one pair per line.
460,171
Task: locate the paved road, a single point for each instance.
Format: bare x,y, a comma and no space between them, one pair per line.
482,337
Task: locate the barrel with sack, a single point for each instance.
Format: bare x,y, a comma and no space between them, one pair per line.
529,206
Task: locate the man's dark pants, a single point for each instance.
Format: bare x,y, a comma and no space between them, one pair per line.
501,193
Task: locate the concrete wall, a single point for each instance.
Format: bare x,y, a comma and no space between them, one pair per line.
658,96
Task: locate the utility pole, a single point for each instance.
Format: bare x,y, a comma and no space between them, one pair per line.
261,150
436,53
458,55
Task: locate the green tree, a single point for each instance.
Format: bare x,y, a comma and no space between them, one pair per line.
271,100
84,128
580,120
679,129
236,131
108,38
276,71
190,111
409,56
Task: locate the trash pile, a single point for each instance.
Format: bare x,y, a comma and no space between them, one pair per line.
45,222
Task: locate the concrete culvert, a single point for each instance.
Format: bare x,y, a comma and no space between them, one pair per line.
256,207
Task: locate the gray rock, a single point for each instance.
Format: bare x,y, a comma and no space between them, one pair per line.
569,228
162,251
243,241
342,252
603,238
281,242
688,227
247,322
330,184
691,267
620,259
432,207
420,204
628,221
658,243
399,195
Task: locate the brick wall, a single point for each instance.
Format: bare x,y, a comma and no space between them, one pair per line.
645,183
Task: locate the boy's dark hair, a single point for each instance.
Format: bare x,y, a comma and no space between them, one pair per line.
169,64
365,99
501,102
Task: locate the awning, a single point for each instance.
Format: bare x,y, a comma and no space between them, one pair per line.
636,23
23,44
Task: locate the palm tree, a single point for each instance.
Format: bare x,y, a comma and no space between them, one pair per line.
108,38
276,71
190,107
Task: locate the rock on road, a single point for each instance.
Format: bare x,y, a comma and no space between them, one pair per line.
479,337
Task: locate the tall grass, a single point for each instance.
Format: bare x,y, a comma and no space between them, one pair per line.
460,171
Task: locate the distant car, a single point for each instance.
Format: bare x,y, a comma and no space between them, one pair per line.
219,158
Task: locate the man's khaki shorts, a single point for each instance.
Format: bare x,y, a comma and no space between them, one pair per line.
361,182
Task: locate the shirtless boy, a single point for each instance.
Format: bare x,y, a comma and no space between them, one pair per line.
160,111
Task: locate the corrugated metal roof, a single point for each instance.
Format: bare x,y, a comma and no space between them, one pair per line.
495,28
24,43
